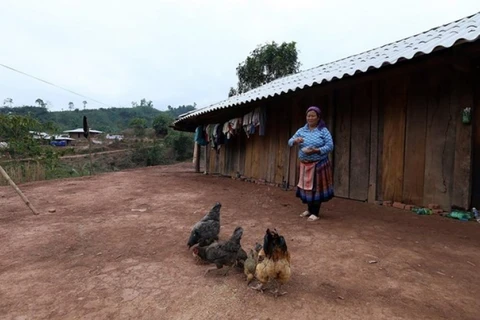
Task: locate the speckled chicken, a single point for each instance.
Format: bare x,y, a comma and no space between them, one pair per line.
221,253
206,231
275,265
250,263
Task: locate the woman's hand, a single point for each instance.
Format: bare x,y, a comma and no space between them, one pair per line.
298,140
312,151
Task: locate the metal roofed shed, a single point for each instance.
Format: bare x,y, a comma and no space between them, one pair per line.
404,119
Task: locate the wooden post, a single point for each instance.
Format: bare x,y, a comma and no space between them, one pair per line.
372,180
196,156
14,186
90,152
207,159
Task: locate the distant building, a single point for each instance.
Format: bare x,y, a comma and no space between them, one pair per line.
78,133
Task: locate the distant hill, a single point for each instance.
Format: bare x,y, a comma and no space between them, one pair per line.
111,120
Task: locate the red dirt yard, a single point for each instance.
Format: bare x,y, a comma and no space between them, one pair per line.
99,257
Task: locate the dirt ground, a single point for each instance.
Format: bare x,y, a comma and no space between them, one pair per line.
99,257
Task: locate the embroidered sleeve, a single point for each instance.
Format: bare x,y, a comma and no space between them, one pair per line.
328,147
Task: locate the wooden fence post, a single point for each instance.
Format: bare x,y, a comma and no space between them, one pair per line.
14,186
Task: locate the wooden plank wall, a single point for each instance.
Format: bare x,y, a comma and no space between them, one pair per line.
415,140
360,141
462,97
393,101
430,162
440,141
342,139
352,141
475,183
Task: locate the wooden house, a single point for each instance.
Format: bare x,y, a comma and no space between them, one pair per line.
399,116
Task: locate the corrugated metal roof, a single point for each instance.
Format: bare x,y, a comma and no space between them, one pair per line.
446,36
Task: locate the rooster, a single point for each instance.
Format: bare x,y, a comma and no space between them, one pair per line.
275,265
206,231
221,253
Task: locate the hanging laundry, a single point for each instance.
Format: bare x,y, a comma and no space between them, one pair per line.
226,129
200,136
236,123
247,122
218,138
209,134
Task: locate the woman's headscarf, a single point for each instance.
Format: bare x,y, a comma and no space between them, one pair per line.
321,123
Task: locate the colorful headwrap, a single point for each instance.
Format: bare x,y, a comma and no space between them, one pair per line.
321,123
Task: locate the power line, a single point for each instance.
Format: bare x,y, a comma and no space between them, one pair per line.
52,84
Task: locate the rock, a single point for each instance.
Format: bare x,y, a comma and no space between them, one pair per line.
399,205
387,203
52,210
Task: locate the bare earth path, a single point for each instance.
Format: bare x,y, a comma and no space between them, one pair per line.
95,258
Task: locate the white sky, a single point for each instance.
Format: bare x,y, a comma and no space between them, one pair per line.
180,52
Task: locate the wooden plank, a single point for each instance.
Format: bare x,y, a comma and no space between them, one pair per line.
330,122
381,128
415,140
256,152
372,177
298,118
207,149
248,156
242,156
196,156
342,143
271,145
440,143
291,152
394,97
462,97
360,142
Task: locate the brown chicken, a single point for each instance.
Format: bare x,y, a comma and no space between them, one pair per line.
275,265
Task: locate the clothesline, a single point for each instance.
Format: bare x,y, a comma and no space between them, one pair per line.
218,134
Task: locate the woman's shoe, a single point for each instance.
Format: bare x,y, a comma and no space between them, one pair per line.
313,218
305,214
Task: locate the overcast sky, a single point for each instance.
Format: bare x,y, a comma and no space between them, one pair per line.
180,52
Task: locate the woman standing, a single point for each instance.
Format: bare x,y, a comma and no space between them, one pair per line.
315,183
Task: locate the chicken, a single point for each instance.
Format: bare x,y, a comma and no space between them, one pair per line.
241,258
221,253
275,265
206,231
251,263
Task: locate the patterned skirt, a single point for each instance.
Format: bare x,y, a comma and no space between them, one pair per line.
322,189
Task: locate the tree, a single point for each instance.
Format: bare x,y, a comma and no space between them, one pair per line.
71,106
265,64
8,101
175,112
138,125
143,103
160,124
40,103
84,104
232,92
